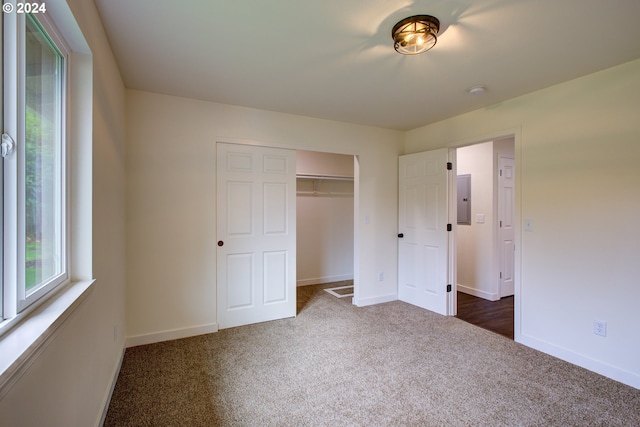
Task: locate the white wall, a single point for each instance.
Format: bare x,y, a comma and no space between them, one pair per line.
475,242
577,157
69,382
324,239
171,215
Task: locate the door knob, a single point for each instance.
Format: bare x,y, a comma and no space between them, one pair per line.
401,235
220,243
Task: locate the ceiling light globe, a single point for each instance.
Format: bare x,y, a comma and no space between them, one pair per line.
416,34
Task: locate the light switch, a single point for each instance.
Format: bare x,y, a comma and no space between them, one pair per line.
528,225
480,218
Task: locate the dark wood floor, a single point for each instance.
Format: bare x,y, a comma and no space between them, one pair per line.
496,316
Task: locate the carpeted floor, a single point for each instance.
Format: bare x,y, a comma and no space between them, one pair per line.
339,365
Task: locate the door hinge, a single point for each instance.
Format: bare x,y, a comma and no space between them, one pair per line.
449,228
500,172
448,288
7,146
500,223
449,166
501,274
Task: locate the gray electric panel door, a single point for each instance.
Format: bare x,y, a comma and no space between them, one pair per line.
464,199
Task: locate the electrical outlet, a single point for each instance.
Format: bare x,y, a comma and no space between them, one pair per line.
380,276
600,327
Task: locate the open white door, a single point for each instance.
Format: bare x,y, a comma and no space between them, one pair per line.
425,245
506,222
256,259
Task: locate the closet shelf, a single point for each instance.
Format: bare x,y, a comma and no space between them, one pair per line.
316,179
325,177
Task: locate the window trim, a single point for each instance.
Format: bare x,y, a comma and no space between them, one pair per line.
10,199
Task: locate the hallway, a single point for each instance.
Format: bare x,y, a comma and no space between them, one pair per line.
496,316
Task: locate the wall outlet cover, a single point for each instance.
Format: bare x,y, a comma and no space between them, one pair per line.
600,327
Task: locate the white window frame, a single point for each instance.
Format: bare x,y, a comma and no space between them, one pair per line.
15,298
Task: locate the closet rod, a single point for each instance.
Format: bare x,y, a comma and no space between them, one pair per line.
324,193
325,177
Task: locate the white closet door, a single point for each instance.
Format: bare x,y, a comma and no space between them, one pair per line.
256,229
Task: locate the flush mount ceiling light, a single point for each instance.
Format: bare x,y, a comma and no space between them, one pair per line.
415,34
477,90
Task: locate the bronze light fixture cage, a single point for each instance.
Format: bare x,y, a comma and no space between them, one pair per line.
415,34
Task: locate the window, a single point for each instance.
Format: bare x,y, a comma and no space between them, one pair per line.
46,181
34,182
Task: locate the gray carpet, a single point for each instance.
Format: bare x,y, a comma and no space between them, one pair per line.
339,365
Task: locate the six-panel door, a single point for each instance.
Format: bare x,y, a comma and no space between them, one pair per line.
256,259
423,249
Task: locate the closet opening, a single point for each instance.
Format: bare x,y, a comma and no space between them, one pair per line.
325,223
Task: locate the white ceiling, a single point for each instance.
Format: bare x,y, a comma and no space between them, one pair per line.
334,59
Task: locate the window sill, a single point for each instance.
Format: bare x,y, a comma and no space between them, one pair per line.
29,336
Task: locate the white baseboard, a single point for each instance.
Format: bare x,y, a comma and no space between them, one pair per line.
327,279
626,377
107,398
173,334
363,302
477,293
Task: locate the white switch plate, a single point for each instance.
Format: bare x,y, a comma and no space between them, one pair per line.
480,218
528,225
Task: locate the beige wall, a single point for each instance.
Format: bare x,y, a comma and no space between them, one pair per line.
69,382
317,163
171,214
577,157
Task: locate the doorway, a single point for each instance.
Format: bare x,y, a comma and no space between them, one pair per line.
325,208
485,234
253,201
